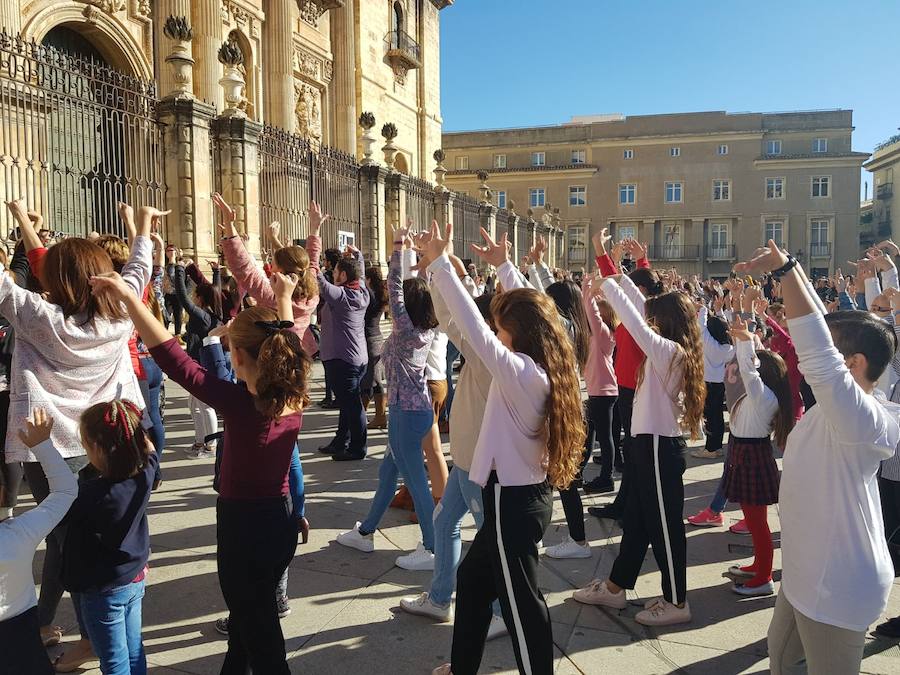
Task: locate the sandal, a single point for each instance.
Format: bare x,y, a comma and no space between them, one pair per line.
73,659
51,635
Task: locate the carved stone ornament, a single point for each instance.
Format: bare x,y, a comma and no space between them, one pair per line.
143,9
108,6
312,10
308,111
233,13
308,64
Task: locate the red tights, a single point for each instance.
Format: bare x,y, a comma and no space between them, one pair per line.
757,521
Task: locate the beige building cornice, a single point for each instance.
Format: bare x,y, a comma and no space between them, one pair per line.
884,158
853,159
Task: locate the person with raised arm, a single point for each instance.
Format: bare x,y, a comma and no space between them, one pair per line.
831,590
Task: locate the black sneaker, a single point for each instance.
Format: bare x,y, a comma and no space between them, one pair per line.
328,403
346,456
889,629
222,626
597,459
604,512
599,485
284,608
327,450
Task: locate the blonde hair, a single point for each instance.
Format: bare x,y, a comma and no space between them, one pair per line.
295,260
533,322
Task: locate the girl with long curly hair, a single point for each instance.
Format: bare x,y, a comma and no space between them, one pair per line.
670,396
531,438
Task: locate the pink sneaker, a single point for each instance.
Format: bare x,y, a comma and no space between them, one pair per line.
740,527
707,518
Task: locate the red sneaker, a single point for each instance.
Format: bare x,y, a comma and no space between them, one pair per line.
707,518
739,527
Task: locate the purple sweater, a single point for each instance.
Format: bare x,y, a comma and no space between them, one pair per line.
405,351
343,320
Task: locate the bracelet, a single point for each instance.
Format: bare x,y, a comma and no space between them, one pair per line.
231,237
787,267
397,243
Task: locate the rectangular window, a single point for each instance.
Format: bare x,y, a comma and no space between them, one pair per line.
538,159
627,193
675,152
578,156
577,195
775,231
673,193
820,145
773,147
536,197
818,239
624,232
577,244
820,186
774,188
718,240
501,199
721,190
671,241
628,153
723,149
499,161
462,163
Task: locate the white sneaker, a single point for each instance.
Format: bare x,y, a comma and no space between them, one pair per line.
664,613
201,451
497,628
353,539
767,588
442,670
596,593
703,453
420,560
422,605
569,549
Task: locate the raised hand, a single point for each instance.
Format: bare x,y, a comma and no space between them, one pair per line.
111,284
616,253
275,235
316,219
493,253
600,240
889,246
760,306
284,285
739,330
401,237
765,259
37,429
439,242
537,251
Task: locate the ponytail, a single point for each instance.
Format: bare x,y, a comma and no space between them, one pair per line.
295,260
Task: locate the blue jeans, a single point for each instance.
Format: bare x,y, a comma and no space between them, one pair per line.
150,389
452,355
113,622
460,497
406,429
345,380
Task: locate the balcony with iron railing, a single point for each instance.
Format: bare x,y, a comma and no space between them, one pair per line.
884,227
884,191
820,250
674,252
721,252
403,50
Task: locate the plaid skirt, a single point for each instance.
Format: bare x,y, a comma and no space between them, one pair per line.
751,475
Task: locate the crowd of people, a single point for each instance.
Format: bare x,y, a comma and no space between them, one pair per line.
618,367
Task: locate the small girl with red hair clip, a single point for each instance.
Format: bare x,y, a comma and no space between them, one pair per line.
107,539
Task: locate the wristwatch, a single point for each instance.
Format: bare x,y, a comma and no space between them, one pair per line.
787,267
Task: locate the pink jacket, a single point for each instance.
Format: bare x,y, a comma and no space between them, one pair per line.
599,375
251,279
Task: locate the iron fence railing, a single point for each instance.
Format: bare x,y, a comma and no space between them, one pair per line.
77,137
398,40
419,195
674,252
820,250
466,224
720,252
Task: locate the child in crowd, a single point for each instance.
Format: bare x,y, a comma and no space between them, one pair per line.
751,475
410,415
717,352
532,436
837,570
21,645
670,393
107,541
256,533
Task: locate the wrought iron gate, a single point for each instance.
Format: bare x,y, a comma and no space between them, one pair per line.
76,136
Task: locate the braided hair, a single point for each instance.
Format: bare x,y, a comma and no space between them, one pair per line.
119,443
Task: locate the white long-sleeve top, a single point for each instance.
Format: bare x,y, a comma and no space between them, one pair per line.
837,569
513,436
436,363
657,407
19,537
754,412
715,355
65,364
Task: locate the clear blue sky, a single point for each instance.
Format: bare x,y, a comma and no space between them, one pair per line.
528,62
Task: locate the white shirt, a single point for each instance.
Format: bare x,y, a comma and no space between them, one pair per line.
513,438
837,569
436,363
657,408
715,355
19,537
754,412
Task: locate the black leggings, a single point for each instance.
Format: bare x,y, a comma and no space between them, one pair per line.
625,405
256,543
21,646
714,415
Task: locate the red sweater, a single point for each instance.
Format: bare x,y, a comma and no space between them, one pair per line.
782,345
629,356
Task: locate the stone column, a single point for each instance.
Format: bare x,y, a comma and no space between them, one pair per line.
512,232
278,59
11,17
162,9
189,173
487,214
237,141
206,20
374,217
343,86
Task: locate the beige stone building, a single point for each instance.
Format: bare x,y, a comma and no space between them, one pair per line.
701,189
885,162
99,104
